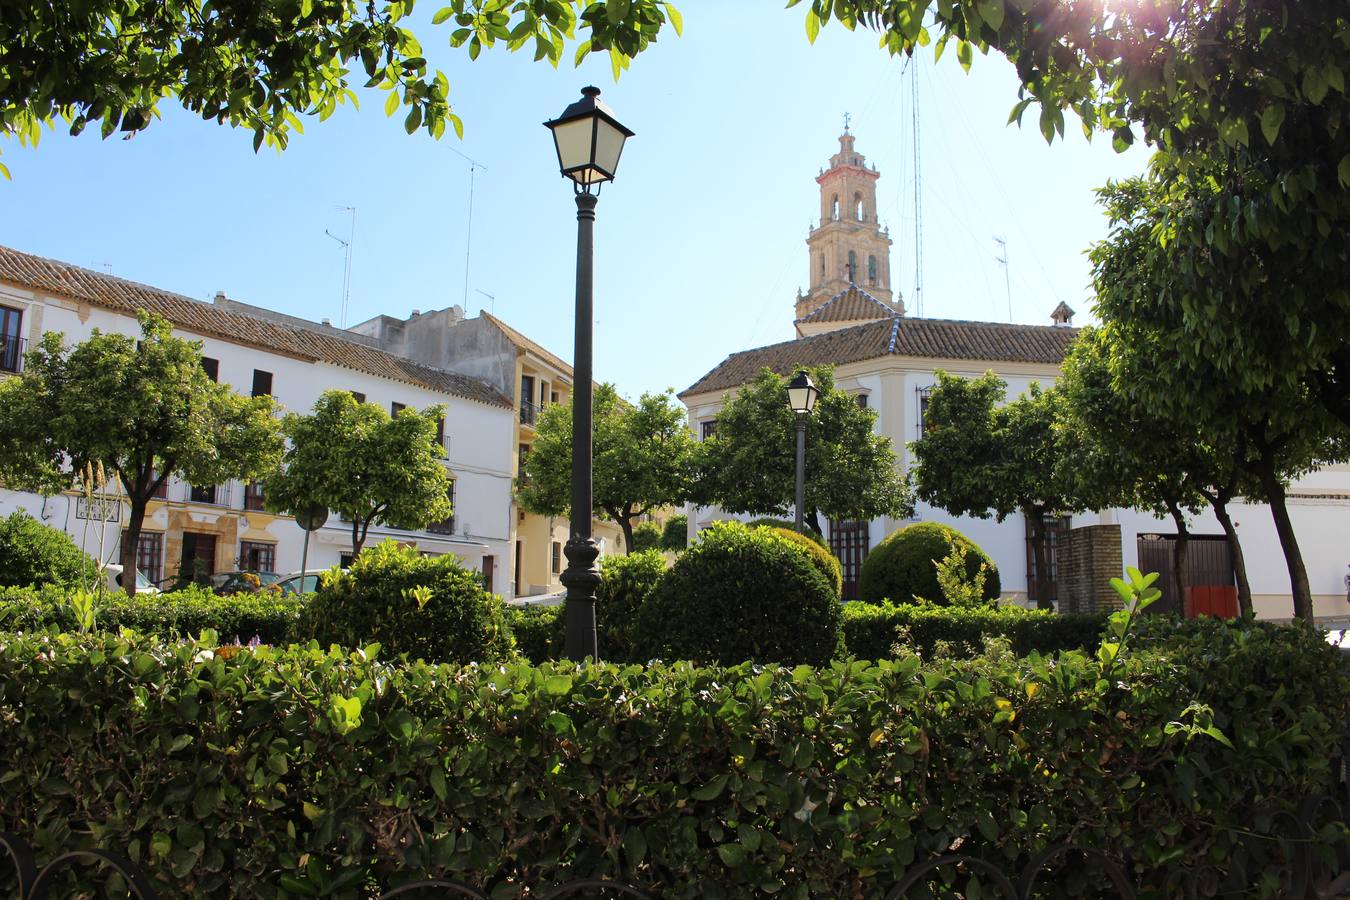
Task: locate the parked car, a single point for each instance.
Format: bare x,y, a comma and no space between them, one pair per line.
298,583
112,576
555,599
223,583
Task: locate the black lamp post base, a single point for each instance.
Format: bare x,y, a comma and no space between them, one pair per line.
582,579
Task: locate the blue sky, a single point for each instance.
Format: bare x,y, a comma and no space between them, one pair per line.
700,240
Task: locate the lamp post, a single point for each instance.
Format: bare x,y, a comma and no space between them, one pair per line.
589,141
802,394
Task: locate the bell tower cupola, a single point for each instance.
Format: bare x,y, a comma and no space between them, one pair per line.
848,247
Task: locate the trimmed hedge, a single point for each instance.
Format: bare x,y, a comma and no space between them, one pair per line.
240,774
872,629
626,583
741,594
820,556
537,630
675,534
790,526
269,616
646,536
427,607
33,554
902,566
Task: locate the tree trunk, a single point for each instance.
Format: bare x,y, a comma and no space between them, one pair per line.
358,536
1279,510
813,522
1179,574
1244,588
626,525
1037,518
129,544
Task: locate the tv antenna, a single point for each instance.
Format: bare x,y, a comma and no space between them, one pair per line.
492,300
474,165
346,263
916,121
1007,276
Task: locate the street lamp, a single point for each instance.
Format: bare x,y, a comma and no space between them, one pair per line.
589,141
802,394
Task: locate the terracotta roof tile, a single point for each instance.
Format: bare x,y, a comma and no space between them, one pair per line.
897,336
51,276
525,343
851,305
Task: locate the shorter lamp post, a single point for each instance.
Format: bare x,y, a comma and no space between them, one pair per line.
802,394
589,141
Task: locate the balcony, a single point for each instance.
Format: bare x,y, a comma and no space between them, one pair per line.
528,412
445,526
12,350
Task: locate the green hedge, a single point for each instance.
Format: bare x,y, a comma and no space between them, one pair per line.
35,554
538,631
231,777
871,630
269,616
903,565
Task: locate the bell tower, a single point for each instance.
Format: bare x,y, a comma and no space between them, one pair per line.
849,247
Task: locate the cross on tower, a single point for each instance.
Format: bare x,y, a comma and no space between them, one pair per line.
847,117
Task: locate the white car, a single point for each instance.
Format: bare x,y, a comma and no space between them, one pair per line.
112,576
554,599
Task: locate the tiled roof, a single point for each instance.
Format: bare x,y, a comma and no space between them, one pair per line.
895,336
851,305
525,343
36,272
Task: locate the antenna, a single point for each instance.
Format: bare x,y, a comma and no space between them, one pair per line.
1007,275
492,300
918,191
347,261
468,229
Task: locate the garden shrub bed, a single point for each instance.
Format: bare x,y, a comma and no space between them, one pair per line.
872,630
269,616
229,774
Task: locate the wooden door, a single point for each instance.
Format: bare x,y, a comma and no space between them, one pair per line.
849,542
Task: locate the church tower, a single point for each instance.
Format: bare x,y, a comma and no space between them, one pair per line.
849,247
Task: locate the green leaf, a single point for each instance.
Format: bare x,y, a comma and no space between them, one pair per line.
558,684
812,25
733,855
1314,85
617,10
634,846
1271,120
391,103
437,779
992,12
676,19
1343,171
964,55
713,789
414,120
442,14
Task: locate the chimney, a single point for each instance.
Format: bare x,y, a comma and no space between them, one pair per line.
326,322
415,313
1062,315
220,297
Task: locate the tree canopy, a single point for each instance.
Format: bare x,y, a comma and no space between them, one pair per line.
142,409
749,464
641,457
262,65
355,459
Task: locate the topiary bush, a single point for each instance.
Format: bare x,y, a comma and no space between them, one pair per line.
675,535
269,616
646,536
427,607
790,526
537,631
741,594
819,555
903,566
35,554
626,583
871,630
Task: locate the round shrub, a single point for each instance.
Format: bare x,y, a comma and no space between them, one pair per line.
820,556
646,536
428,607
35,554
675,535
902,566
790,526
741,594
626,583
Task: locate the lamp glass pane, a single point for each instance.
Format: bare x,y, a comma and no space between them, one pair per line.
799,400
574,142
608,145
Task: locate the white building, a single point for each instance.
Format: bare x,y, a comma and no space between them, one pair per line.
889,361
224,527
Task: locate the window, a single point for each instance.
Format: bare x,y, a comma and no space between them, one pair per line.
849,541
358,396
161,492
858,207
446,525
345,560
708,428
871,270
203,494
552,396
440,431
852,265
524,453
556,565
861,400
527,406
262,383
489,564
395,408
255,556
212,368
923,393
253,496
834,209
11,344
149,554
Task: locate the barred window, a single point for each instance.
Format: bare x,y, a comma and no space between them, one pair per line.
256,556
